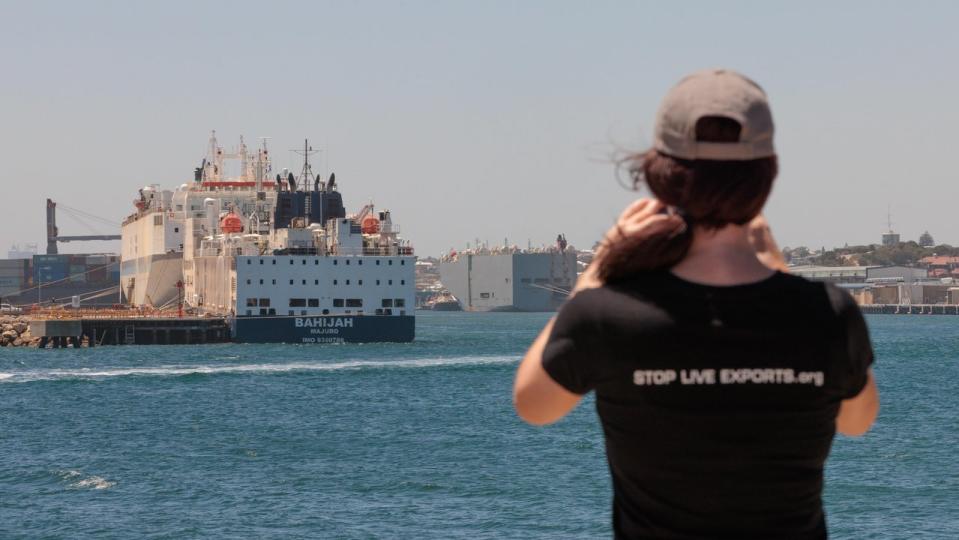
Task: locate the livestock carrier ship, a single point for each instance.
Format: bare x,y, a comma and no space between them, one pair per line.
509,278
279,257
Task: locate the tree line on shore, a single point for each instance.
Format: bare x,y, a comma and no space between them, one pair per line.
902,254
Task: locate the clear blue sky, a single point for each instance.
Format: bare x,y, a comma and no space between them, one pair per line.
477,119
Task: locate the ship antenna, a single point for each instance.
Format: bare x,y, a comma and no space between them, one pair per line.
306,175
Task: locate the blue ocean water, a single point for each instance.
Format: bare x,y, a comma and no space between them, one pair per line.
397,441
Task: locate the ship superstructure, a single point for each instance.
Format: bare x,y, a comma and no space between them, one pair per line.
278,255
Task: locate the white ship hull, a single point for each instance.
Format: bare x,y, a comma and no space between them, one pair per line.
152,280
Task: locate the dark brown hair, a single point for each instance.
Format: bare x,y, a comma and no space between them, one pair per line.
706,193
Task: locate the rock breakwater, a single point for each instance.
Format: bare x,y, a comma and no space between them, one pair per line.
15,332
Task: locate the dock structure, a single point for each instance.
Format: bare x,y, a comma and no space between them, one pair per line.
92,332
910,309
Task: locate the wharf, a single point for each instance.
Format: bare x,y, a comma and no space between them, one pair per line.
910,309
95,331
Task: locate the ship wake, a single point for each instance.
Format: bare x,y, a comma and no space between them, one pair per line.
218,369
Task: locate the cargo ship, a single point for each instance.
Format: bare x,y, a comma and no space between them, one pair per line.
510,279
278,256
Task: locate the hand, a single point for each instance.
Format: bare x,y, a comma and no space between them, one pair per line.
761,238
642,217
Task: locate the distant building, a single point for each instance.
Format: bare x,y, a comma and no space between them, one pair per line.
832,274
941,266
905,274
925,240
890,239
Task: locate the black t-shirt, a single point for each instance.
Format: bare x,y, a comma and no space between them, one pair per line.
718,404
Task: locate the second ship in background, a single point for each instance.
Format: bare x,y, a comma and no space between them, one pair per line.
510,278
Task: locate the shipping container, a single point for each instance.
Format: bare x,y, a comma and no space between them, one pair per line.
97,274
11,282
78,273
13,263
12,272
50,274
51,259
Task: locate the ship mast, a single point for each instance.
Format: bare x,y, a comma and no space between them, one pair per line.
306,175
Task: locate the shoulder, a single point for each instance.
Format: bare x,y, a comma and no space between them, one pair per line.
632,295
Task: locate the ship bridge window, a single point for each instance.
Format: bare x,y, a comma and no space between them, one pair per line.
377,262
402,282
334,262
326,312
264,302
274,261
399,302
354,302
347,282
261,282
402,263
248,261
251,302
360,262
347,262
297,302
377,282
334,282
389,282
261,261
316,262
291,282
249,281
337,302
313,302
274,282
316,282
391,262
304,282
359,282
304,261
291,262
484,295
176,229
387,302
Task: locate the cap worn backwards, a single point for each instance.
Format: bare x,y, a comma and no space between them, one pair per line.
715,92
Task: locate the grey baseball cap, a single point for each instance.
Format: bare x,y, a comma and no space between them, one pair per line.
715,92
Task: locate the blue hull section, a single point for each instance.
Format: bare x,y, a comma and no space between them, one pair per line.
325,329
